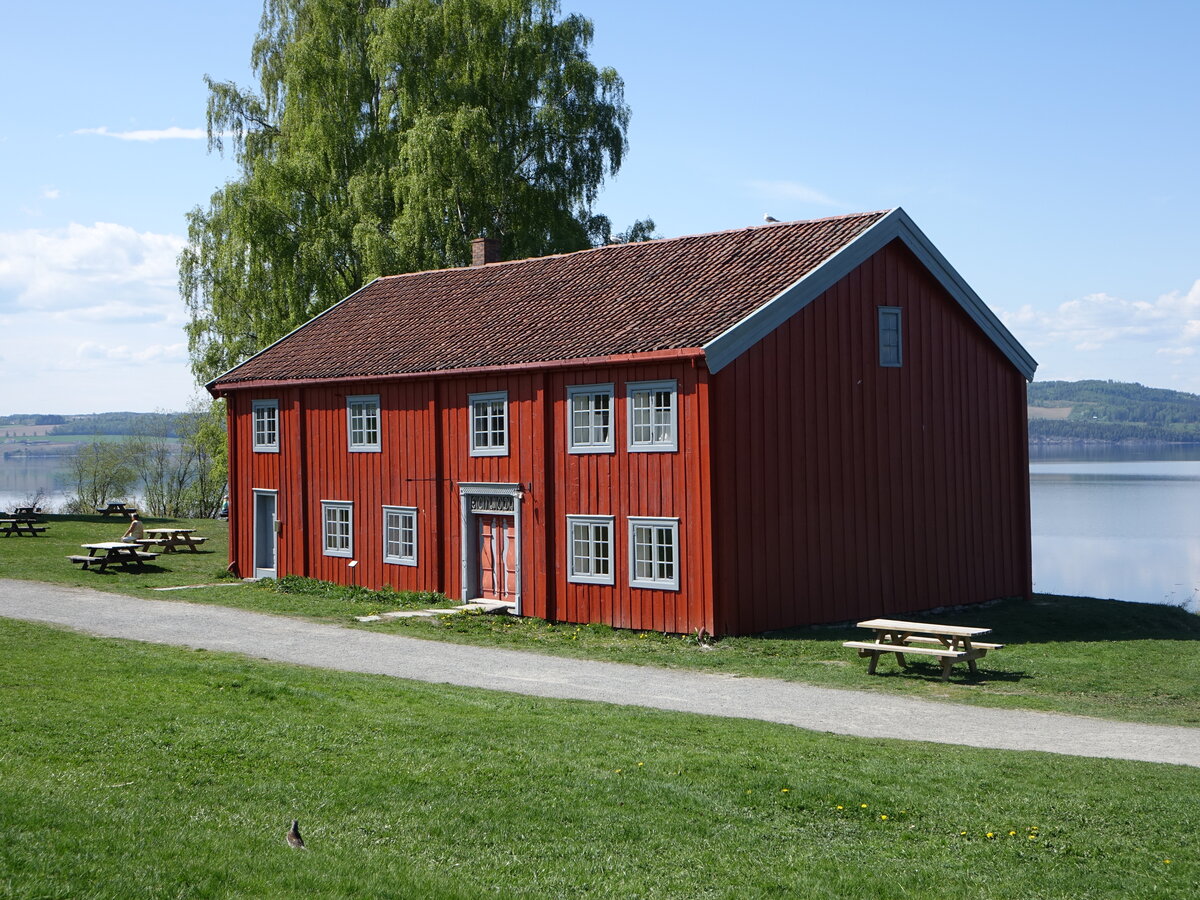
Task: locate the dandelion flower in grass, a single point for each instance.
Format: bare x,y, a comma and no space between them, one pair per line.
962,833
1033,837
841,807
1166,862
862,806
1011,833
784,790
991,834
883,818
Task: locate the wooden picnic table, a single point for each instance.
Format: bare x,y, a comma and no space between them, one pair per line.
26,512
119,509
172,539
21,526
103,554
949,643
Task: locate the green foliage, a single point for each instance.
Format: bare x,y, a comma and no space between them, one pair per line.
132,770
175,461
386,599
100,472
384,136
1115,411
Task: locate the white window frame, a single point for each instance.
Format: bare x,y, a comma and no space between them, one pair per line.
591,523
890,313
590,445
338,507
263,406
491,448
655,443
655,580
363,445
400,558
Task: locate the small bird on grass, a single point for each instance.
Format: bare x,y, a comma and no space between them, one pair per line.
293,836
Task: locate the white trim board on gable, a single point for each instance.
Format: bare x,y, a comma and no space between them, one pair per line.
726,347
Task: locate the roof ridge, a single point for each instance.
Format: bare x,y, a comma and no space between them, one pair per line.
657,241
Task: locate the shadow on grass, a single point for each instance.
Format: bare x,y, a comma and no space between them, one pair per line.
1044,619
922,671
117,570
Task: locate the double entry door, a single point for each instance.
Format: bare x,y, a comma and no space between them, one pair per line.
497,557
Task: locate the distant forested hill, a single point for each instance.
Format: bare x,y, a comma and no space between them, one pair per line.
97,423
1110,411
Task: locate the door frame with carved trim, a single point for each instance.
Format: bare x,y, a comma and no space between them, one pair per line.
486,499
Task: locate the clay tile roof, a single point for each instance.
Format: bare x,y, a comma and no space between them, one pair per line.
674,293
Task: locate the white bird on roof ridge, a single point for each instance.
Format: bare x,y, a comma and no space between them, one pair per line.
769,218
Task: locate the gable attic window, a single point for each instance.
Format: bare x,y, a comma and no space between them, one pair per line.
489,423
652,415
890,349
266,426
590,427
362,415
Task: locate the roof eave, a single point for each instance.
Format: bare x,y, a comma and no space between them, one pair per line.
728,346
682,354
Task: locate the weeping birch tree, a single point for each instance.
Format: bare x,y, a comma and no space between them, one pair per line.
383,136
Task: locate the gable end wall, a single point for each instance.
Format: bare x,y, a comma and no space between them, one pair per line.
843,489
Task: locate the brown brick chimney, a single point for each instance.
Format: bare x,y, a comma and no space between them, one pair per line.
485,250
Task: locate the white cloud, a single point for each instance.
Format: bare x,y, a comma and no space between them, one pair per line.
156,353
50,193
90,270
1098,321
792,190
160,134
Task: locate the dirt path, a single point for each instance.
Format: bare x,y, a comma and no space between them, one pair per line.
859,713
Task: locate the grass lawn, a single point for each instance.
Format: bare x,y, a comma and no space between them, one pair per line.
1106,658
134,770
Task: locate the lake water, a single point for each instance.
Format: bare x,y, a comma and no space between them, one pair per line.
1121,523
1107,522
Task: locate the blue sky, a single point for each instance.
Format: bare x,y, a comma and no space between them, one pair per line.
1048,149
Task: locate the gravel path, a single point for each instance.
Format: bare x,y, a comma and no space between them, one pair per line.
860,713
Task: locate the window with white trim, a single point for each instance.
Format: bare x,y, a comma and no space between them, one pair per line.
266,426
489,423
652,415
590,549
654,553
590,427
362,417
337,528
890,348
400,535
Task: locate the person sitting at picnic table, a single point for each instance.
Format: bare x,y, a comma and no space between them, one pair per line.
136,530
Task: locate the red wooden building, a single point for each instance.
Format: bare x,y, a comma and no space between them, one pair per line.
797,423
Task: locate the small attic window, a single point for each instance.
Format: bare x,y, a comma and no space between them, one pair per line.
890,347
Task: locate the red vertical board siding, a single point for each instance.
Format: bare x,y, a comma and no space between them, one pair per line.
425,456
622,484
892,489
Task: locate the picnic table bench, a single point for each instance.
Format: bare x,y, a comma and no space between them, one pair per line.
21,526
119,509
115,553
172,539
948,643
